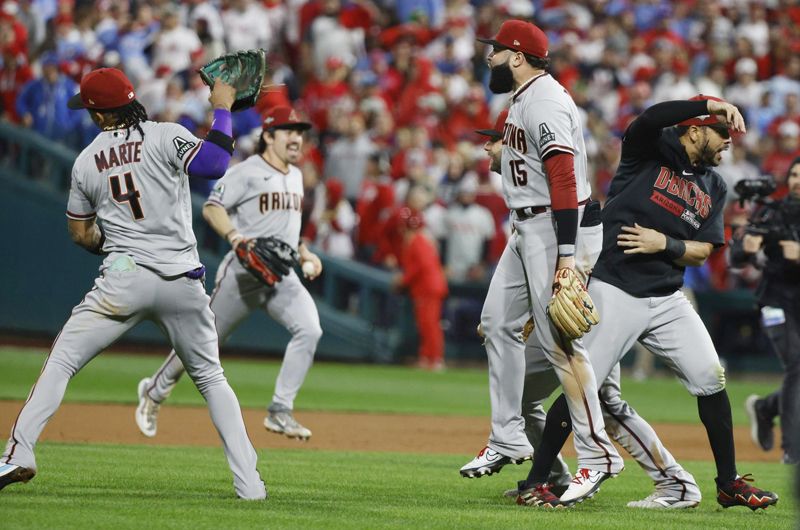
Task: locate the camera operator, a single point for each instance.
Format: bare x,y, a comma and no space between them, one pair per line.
772,243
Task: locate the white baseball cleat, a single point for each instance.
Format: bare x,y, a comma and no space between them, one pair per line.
147,411
585,485
489,461
284,423
660,500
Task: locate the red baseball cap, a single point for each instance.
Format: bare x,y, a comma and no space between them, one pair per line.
283,117
520,36
102,89
497,131
709,120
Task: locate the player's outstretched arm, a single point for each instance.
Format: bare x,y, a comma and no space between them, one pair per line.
87,233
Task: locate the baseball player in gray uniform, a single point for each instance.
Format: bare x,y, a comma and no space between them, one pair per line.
260,197
665,181
545,184
541,380
133,178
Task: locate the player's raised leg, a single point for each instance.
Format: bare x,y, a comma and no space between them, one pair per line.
292,306
504,314
104,315
677,335
194,338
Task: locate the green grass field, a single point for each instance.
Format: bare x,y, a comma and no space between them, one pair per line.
131,486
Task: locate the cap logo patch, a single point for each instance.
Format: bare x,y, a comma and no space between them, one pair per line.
269,120
516,42
130,95
293,116
703,118
91,102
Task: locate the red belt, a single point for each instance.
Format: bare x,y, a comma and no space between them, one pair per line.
530,211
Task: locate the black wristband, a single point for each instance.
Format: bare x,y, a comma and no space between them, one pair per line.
98,249
566,226
221,139
675,248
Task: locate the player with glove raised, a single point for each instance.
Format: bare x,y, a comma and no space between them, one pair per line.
257,207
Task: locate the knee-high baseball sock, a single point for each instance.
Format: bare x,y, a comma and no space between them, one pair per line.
715,413
557,427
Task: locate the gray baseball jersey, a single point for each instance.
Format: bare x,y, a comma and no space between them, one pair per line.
139,188
261,200
542,119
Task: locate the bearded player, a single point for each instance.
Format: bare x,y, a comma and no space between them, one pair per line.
133,178
260,197
545,184
664,213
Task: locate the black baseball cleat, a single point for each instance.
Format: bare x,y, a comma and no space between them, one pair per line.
739,493
539,496
760,425
10,473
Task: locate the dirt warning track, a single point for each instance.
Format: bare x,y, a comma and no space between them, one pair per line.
337,431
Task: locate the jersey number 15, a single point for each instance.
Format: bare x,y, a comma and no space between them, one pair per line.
518,174
131,195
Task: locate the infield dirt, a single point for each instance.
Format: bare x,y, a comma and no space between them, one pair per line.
338,431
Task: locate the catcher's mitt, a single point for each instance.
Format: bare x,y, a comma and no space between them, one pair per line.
266,258
243,70
571,308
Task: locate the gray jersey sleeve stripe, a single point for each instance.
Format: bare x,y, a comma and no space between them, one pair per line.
214,203
191,157
79,216
555,147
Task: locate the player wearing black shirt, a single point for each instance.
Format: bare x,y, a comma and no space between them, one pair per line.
663,213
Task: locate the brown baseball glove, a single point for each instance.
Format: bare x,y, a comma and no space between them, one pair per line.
571,308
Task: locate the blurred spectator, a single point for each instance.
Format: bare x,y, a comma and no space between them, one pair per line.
175,45
321,94
34,22
247,26
746,91
470,228
785,83
346,158
334,228
425,282
374,205
735,168
328,36
137,37
42,102
776,163
14,74
206,20
13,32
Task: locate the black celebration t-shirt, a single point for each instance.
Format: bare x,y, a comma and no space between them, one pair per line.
657,187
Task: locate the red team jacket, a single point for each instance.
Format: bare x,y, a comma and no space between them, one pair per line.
422,269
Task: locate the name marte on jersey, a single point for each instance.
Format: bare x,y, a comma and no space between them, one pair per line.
514,137
126,153
280,200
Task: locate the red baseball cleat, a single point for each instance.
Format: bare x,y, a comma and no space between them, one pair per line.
739,493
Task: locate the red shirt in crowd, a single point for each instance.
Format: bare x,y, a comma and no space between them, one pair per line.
422,268
374,207
11,82
319,96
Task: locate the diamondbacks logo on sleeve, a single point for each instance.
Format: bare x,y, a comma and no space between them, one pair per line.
182,146
217,192
545,136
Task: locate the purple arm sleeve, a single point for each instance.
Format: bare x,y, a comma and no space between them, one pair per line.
211,160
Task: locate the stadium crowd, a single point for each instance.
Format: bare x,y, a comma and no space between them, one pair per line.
396,88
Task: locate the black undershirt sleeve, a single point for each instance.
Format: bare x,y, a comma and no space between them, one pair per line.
647,127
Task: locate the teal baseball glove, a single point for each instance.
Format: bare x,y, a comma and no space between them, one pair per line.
244,71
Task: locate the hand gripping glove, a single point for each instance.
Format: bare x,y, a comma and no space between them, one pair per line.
571,308
266,258
243,70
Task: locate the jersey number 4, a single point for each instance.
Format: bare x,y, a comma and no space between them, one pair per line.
518,174
131,195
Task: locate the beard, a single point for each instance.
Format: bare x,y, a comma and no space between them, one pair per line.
495,164
501,79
